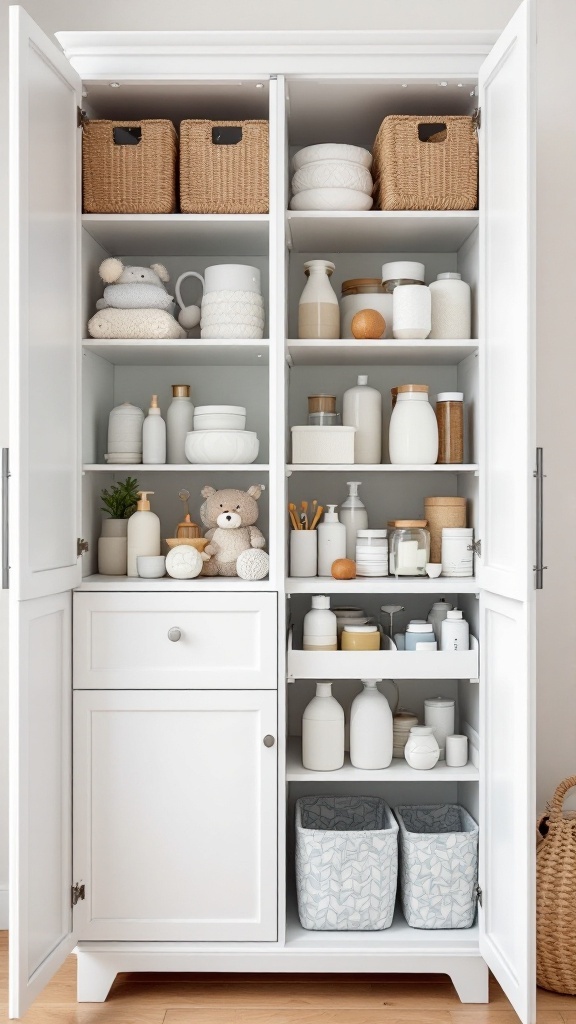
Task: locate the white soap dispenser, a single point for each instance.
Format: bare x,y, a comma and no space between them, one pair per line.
371,728
354,516
154,436
143,533
362,408
323,731
331,541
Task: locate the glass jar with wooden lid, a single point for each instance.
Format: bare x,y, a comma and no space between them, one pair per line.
450,419
360,293
409,546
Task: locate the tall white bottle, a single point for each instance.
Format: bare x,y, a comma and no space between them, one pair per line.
354,516
331,541
371,728
323,732
143,533
179,422
362,408
454,632
154,436
320,631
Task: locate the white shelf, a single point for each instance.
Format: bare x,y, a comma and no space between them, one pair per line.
380,231
192,352
303,352
399,770
382,468
381,585
397,939
139,467
383,664
166,584
179,234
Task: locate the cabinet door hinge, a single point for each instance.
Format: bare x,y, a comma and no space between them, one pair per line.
478,894
477,118
81,117
5,535
476,547
81,546
78,893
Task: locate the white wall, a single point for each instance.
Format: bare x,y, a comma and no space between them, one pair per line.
557,208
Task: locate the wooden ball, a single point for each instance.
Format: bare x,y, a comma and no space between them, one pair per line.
343,569
368,323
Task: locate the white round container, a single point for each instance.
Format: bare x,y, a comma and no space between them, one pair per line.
413,436
457,551
303,553
439,715
372,553
218,447
219,417
421,750
125,429
320,626
411,311
455,632
401,272
371,728
352,304
323,732
151,567
451,315
362,409
332,151
332,174
456,751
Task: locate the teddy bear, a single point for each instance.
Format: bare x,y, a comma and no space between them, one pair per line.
135,303
230,516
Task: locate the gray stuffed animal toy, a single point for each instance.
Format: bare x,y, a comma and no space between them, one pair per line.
134,287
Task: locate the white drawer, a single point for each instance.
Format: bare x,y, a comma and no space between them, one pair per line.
225,641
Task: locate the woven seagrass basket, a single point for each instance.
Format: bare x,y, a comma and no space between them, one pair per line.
129,166
556,896
224,167
438,173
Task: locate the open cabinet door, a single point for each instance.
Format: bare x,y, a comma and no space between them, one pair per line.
44,499
505,569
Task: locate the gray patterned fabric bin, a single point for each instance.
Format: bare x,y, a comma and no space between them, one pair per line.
346,863
438,866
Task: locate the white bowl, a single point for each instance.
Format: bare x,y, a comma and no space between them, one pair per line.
151,567
332,151
433,569
219,417
331,199
332,174
218,447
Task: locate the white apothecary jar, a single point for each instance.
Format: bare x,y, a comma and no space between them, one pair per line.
413,437
451,307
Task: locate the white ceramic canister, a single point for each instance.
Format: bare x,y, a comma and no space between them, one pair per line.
331,541
364,293
354,516
456,751
412,311
371,553
154,436
371,728
179,423
439,715
436,616
112,547
413,437
320,626
125,429
303,552
451,307
421,750
362,408
323,731
318,310
455,632
457,551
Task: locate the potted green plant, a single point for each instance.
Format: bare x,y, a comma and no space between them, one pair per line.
119,503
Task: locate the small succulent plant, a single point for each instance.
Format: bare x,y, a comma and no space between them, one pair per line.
120,500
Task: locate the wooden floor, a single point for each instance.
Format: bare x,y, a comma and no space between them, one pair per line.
265,999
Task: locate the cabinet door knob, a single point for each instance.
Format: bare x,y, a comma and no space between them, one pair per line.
174,634
269,741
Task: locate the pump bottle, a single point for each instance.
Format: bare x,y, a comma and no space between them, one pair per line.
154,436
143,533
354,516
331,541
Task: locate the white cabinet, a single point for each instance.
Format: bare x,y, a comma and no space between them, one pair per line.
175,815
181,812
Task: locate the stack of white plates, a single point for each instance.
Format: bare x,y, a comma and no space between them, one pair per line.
372,558
332,177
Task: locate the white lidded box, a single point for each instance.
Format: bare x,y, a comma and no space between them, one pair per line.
323,445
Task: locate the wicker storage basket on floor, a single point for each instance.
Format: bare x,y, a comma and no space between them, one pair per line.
119,177
440,173
556,897
224,167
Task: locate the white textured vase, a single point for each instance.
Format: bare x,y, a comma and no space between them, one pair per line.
422,750
112,547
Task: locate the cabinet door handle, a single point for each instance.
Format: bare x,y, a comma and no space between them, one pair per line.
174,634
269,741
539,477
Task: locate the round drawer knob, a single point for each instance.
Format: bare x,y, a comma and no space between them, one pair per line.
174,634
269,741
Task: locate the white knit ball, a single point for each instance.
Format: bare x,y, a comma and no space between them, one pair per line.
184,562
189,317
252,564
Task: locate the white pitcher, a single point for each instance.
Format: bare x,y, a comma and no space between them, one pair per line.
222,277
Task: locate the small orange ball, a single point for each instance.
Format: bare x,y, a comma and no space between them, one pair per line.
368,323
344,569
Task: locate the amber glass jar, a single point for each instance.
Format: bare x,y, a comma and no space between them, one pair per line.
450,417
